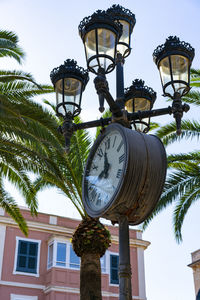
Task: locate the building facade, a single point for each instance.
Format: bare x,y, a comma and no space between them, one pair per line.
195,265
45,267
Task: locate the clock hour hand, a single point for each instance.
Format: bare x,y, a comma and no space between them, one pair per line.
106,165
104,173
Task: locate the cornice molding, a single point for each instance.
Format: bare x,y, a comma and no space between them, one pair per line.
22,284
54,288
48,289
67,232
195,264
133,242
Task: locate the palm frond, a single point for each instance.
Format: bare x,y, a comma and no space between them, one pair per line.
193,97
176,184
10,206
9,46
191,195
189,130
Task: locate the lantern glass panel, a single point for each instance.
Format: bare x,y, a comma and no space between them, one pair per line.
104,45
180,66
142,104
164,68
59,91
90,44
141,127
136,104
68,90
121,48
176,71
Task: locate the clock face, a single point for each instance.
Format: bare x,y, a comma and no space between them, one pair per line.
105,170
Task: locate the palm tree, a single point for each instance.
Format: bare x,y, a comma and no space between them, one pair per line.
14,85
30,130
30,142
182,186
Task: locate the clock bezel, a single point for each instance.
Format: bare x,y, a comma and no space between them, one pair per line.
97,213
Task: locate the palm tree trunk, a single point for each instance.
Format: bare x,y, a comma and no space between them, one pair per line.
90,277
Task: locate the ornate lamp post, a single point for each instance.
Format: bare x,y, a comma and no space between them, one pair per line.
125,170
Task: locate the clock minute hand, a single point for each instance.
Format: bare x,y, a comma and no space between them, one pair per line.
101,174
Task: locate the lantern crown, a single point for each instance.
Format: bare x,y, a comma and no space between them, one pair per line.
120,13
139,90
99,17
173,45
69,69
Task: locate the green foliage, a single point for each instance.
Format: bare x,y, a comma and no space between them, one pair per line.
32,133
9,46
16,159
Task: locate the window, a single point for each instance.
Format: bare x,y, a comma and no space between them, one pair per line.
61,255
74,259
50,256
114,262
27,257
103,263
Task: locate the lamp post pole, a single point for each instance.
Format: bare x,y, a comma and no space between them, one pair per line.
120,80
106,36
125,290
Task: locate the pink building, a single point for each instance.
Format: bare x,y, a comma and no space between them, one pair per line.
45,267
195,265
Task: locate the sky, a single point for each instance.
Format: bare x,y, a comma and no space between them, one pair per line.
48,32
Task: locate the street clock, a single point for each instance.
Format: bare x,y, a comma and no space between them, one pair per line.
124,174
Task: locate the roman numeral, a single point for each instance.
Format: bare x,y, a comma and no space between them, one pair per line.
120,145
119,173
98,200
114,141
107,144
94,167
121,158
100,152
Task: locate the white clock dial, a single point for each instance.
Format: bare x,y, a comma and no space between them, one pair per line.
105,170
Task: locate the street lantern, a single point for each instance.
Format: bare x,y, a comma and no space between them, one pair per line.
139,97
125,170
173,60
69,81
100,34
127,19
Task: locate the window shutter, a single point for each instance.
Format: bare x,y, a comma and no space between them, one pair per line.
27,256
114,263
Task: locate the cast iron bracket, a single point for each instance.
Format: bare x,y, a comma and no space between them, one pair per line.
177,109
124,118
